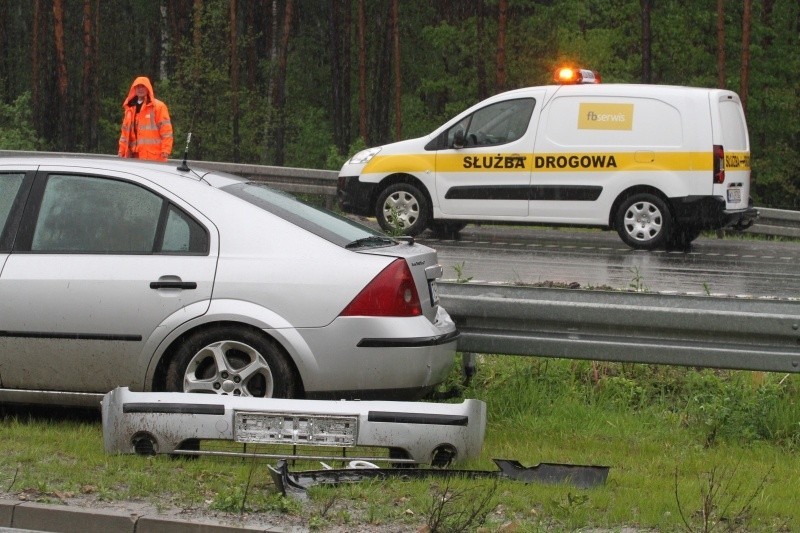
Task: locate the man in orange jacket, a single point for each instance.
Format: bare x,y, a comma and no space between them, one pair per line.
146,126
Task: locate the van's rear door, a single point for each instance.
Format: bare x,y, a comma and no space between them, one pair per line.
730,132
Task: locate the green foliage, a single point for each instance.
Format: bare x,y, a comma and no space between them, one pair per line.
16,127
336,160
720,405
231,500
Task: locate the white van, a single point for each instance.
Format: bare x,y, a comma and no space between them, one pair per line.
658,164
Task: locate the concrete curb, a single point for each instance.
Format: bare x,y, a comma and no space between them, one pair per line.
66,519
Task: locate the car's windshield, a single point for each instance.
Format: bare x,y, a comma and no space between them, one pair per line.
326,224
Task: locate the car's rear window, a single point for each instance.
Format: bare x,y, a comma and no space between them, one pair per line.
326,224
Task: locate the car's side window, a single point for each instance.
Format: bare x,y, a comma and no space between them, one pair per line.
183,235
82,214
9,188
498,123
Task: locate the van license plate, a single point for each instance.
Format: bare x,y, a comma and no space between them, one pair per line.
734,196
434,292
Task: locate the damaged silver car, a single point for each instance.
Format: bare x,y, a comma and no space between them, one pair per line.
156,278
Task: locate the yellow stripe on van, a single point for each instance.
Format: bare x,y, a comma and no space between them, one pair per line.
384,164
553,162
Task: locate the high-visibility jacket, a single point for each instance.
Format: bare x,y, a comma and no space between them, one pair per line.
148,133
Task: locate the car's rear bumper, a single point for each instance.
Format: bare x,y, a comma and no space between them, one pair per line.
164,422
380,357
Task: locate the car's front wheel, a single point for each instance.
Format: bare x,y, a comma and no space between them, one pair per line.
402,209
234,361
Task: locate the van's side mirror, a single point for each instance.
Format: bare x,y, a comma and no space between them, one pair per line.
458,139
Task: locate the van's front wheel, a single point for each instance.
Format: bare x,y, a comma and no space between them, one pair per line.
643,221
402,209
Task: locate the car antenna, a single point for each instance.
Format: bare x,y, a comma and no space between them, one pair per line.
183,166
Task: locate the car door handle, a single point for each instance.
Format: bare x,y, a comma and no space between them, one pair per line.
173,285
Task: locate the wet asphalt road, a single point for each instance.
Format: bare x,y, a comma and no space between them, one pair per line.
593,258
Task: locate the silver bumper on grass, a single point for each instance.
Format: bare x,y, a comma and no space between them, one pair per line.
173,422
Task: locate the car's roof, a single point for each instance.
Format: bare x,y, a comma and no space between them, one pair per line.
148,169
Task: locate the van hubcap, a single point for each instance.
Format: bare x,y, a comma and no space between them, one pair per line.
401,209
643,221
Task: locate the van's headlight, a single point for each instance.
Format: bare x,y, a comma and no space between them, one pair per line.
364,156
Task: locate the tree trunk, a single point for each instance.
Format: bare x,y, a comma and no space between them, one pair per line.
480,65
398,85
380,77
362,71
334,45
89,79
502,20
62,81
745,53
165,42
5,67
234,81
721,44
647,8
280,84
250,23
36,66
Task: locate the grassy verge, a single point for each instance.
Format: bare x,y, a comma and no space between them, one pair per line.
689,450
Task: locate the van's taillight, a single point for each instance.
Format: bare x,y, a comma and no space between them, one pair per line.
390,293
719,164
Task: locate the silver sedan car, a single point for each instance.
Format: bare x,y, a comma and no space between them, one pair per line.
127,273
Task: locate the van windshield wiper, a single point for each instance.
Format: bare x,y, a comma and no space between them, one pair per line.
372,240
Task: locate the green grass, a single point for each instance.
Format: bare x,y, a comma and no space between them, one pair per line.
677,441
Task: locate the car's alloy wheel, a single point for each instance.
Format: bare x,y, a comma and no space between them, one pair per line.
643,221
231,361
402,208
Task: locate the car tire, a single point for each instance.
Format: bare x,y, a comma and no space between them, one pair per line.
643,221
231,360
402,208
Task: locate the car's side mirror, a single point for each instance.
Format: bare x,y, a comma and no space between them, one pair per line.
458,139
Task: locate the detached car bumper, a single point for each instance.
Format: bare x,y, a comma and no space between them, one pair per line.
166,422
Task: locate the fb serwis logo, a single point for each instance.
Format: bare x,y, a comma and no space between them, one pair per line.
605,117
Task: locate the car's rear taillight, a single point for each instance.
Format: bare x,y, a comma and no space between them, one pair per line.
390,293
719,164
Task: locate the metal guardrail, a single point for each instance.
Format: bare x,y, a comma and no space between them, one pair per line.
701,331
774,222
747,334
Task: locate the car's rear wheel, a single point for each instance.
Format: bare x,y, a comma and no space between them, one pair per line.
402,208
231,360
643,221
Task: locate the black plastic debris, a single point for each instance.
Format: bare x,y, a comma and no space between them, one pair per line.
580,476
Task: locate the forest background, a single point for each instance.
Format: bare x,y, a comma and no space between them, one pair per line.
305,83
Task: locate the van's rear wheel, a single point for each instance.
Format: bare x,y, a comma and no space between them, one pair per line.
643,221
402,209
